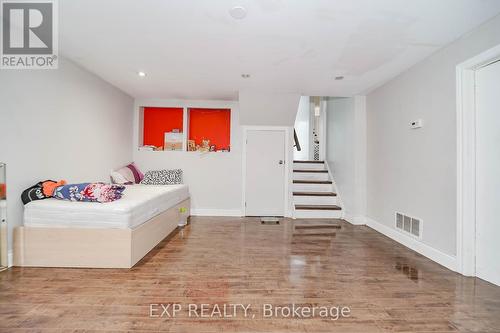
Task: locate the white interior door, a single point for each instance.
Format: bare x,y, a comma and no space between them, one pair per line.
488,173
265,173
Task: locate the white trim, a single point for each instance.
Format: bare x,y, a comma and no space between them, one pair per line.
322,129
437,256
216,212
354,219
288,161
10,258
466,160
185,128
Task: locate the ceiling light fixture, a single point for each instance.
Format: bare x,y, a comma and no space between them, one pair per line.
245,76
338,78
238,12
141,74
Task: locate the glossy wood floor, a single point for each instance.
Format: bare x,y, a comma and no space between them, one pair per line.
237,260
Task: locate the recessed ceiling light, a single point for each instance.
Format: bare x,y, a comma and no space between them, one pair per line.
141,74
338,78
245,76
238,12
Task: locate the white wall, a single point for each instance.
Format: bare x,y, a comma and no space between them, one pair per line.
60,124
302,129
268,108
214,179
414,171
346,151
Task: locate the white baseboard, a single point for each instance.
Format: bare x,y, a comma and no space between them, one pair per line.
441,258
216,212
354,219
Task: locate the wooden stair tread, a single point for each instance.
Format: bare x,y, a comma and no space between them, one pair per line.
318,226
315,234
312,182
315,194
318,162
317,207
312,171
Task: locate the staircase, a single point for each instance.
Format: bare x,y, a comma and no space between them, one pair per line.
313,191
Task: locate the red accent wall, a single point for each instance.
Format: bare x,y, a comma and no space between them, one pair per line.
212,124
157,121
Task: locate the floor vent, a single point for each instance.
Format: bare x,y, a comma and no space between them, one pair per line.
409,225
269,220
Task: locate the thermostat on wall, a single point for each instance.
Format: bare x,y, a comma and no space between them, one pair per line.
416,123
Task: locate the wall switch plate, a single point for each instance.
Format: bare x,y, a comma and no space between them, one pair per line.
416,123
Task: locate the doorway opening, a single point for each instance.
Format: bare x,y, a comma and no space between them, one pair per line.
478,183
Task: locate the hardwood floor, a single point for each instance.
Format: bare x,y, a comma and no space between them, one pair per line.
387,287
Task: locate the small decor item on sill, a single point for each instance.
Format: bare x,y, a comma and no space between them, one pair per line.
205,146
191,145
147,148
183,217
173,141
212,148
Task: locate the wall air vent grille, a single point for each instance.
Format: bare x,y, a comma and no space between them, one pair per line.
406,223
399,221
409,225
415,227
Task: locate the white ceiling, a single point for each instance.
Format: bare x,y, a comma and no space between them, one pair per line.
195,49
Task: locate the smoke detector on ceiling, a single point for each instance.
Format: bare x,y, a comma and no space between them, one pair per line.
238,12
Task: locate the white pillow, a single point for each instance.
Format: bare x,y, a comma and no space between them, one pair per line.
118,178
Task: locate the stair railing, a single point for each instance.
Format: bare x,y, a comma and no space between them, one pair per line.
296,140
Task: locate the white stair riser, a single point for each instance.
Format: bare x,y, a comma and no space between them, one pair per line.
318,214
314,200
308,166
312,188
310,176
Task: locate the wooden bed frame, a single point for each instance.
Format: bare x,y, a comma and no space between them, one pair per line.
93,247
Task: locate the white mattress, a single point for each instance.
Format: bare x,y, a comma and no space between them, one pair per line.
138,204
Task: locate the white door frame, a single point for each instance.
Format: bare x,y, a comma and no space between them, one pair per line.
322,130
466,159
288,161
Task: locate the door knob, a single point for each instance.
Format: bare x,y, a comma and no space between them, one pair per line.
280,162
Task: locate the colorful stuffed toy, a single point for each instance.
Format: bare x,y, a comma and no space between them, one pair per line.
41,190
49,186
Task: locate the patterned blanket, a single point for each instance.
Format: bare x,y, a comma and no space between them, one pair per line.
89,192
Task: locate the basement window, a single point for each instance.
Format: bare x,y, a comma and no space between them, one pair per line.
163,128
185,129
209,130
